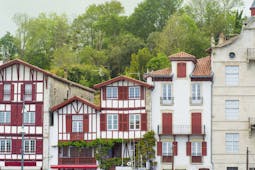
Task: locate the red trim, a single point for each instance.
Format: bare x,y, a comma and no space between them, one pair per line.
39,114
33,92
204,148
15,163
144,122
188,148
181,70
12,91
196,123
22,91
122,78
167,123
39,146
104,93
1,92
159,148
175,148
102,122
86,123
68,123
122,109
73,166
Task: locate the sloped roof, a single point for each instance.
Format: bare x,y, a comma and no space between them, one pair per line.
122,78
202,68
166,72
227,42
182,56
75,98
19,61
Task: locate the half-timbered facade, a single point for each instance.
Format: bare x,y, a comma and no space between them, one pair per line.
73,120
181,112
26,94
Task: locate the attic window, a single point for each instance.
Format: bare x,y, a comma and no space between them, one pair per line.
232,55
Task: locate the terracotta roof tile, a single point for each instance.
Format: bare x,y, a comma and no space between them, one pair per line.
203,67
182,56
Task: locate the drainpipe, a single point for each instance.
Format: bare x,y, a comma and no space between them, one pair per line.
212,163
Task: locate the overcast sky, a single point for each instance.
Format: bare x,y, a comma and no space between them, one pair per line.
70,7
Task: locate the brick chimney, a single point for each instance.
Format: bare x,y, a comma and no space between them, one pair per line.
252,8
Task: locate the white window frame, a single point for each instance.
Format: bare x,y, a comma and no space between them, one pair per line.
196,91
5,145
232,142
29,117
7,92
29,146
232,109
167,149
134,92
232,75
5,117
112,121
77,123
166,93
111,92
196,148
134,121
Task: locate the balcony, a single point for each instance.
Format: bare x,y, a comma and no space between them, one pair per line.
183,130
196,101
250,54
167,101
76,161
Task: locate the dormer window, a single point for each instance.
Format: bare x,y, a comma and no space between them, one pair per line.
181,70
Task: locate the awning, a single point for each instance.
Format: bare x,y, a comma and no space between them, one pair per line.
73,166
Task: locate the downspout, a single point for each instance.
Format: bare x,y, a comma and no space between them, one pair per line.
212,163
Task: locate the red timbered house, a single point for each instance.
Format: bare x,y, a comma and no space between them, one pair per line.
73,120
26,94
124,111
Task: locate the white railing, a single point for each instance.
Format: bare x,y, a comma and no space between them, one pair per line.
168,101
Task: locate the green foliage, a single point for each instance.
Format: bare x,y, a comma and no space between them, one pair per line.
159,62
8,46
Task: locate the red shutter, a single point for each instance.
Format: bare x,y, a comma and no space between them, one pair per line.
22,91
125,92
102,122
12,91
181,70
188,148
16,114
86,123
121,93
167,123
120,122
125,122
143,121
1,92
33,92
204,148
104,93
142,92
159,148
196,123
175,144
68,123
39,146
39,115
16,146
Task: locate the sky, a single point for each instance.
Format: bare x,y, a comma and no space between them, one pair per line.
72,8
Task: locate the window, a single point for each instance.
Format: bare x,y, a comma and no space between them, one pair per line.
112,122
196,91
232,168
181,70
5,117
167,149
232,75
134,121
29,117
231,109
28,92
166,94
29,146
7,92
196,149
5,145
232,142
112,92
77,123
134,92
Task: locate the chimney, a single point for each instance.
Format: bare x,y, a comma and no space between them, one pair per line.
252,8
221,38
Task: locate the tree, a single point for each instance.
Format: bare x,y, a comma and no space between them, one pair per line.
92,56
8,47
159,62
150,16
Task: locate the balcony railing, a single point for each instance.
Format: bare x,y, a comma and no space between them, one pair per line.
182,129
251,54
196,100
76,161
168,101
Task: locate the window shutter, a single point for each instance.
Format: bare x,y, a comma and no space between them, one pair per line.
188,148
181,70
125,92
33,92
121,93
38,115
68,123
12,92
104,93
204,148
196,123
22,91
1,92
125,122
143,121
39,146
16,146
102,122
86,123
16,114
120,122
175,144
159,148
167,123
142,92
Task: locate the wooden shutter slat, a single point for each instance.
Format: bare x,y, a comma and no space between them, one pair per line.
39,146
143,121
159,148
196,123
175,144
38,115
102,122
188,148
22,91
204,148
86,123
167,123
68,123
12,91
33,92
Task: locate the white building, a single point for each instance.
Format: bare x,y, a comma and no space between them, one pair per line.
181,113
233,116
